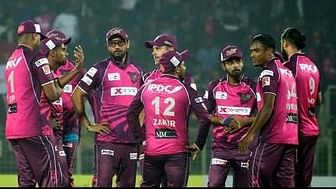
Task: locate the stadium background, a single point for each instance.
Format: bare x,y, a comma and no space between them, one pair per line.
202,26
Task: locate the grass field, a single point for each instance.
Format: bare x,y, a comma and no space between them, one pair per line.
85,180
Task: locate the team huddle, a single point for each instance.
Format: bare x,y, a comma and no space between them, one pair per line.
265,131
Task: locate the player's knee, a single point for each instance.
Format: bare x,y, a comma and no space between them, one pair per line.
216,182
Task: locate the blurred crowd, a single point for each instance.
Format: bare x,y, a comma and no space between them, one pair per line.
202,26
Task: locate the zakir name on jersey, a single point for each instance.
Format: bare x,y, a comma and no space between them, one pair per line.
164,122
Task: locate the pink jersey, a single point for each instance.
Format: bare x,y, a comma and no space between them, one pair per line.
278,80
307,76
224,99
25,76
51,110
62,108
70,117
156,73
115,87
167,103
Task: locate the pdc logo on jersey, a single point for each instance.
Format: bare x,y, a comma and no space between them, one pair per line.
124,91
308,68
221,95
230,110
164,88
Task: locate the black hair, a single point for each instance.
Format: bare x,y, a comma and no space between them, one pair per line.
294,36
267,40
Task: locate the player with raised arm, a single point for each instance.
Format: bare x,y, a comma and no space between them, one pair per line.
309,96
55,49
276,121
232,98
27,75
116,81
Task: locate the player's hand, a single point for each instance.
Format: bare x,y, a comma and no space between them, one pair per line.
55,122
194,150
101,128
215,119
245,142
234,125
79,56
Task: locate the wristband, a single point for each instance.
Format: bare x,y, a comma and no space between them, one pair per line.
58,83
227,121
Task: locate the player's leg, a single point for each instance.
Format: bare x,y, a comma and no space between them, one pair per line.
241,173
41,156
70,146
306,157
106,163
218,171
62,159
265,162
26,176
153,169
127,172
285,172
176,170
95,158
141,161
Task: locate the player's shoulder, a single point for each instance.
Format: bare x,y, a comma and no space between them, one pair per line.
136,66
101,64
248,80
212,84
39,59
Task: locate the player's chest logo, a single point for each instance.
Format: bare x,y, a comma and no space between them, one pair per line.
113,76
221,95
133,76
245,97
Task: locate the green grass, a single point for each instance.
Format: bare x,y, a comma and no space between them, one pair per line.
85,180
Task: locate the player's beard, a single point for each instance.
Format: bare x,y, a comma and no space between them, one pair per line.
119,55
235,73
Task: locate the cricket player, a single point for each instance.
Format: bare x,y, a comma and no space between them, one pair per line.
167,102
116,81
27,75
309,95
232,97
276,121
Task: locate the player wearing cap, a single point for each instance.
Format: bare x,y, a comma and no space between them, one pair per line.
276,122
116,81
26,76
232,98
160,45
55,49
309,96
167,103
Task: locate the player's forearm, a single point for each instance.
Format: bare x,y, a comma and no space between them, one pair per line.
248,121
202,133
261,119
78,103
64,79
52,91
132,117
